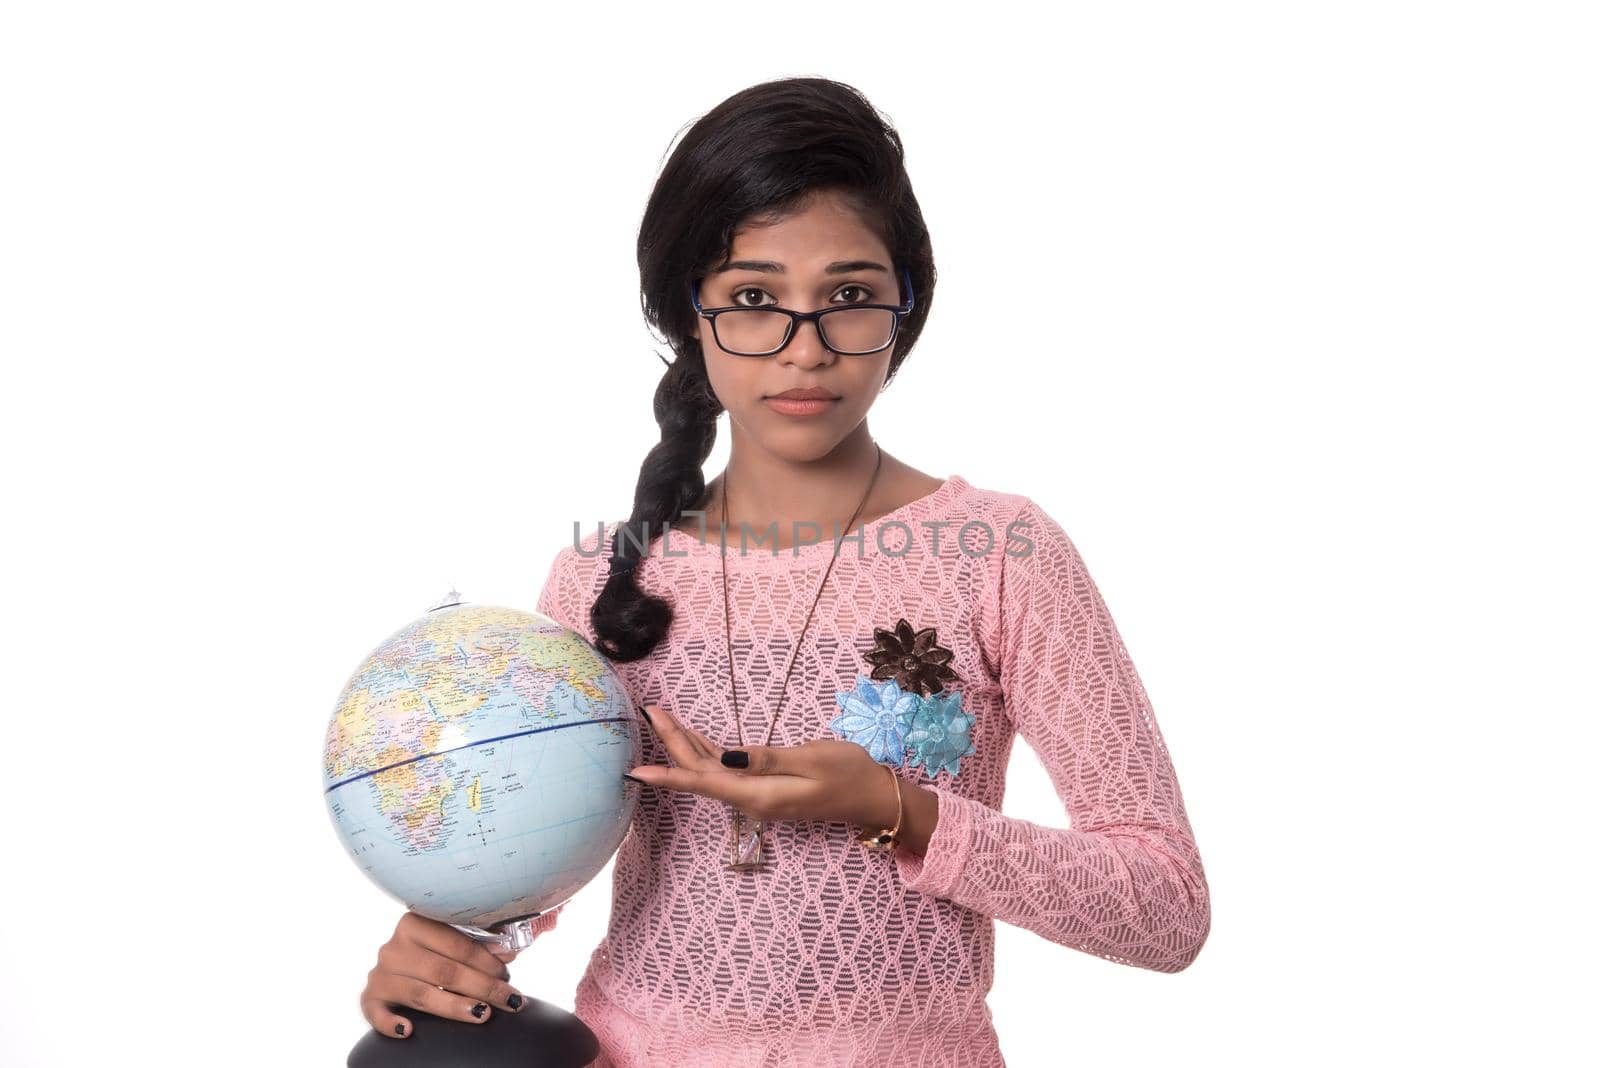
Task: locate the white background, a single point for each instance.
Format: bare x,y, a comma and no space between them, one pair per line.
311,311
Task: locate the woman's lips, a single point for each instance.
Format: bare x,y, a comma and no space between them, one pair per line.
792,406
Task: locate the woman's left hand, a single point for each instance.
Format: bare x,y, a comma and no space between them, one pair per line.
823,779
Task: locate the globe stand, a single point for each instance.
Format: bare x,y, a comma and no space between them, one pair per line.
542,1035
510,936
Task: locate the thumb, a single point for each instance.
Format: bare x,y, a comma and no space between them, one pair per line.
759,759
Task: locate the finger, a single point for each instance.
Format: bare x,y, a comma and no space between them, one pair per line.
445,975
384,1019
718,784
711,750
394,994
445,940
704,748
438,971
772,760
681,743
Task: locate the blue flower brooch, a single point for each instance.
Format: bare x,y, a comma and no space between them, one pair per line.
904,709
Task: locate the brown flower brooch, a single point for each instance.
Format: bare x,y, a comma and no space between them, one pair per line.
913,659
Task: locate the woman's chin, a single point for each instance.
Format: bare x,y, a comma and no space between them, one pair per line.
801,446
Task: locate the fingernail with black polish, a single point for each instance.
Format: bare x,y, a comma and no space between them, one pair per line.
647,718
515,1001
479,1009
400,1029
634,778
736,758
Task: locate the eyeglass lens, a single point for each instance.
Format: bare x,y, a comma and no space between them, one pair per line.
754,331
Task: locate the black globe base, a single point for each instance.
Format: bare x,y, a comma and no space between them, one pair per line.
542,1035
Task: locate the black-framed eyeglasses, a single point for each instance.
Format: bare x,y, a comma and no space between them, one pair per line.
848,329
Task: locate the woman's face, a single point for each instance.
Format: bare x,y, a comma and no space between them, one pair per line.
787,264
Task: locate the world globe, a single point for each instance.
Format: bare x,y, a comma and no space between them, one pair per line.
473,766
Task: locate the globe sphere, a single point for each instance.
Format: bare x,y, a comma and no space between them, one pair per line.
473,764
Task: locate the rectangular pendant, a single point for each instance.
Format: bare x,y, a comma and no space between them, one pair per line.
745,846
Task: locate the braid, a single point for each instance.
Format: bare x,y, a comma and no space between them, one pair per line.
627,621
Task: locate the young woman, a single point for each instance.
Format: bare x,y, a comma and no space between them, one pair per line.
834,652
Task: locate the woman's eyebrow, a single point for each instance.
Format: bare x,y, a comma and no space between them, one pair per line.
769,267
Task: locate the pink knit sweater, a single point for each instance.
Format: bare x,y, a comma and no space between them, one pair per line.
839,955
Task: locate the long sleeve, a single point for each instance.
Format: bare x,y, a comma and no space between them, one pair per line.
1125,882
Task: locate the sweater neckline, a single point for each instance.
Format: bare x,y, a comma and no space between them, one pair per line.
680,548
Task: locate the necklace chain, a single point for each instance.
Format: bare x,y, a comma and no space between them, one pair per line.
746,845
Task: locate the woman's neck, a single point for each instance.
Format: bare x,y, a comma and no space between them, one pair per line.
762,486
764,490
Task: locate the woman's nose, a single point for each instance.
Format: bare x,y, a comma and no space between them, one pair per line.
805,348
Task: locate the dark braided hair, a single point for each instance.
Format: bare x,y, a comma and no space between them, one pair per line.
760,153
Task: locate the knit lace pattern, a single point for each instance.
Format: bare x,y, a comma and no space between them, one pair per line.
839,955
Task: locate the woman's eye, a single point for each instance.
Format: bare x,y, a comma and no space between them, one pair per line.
748,289
863,295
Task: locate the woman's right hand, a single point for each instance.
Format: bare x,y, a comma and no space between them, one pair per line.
424,955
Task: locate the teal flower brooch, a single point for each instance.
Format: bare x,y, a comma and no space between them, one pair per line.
903,709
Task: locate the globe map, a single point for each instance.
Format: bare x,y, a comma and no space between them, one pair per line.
473,764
